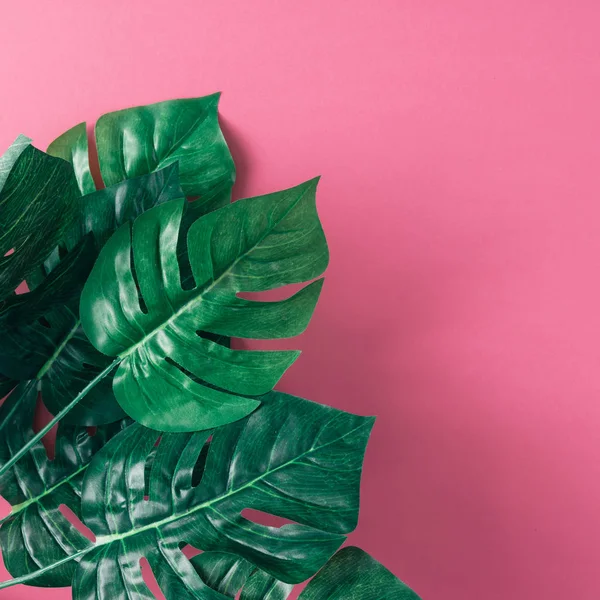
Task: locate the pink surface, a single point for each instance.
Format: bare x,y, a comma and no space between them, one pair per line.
459,147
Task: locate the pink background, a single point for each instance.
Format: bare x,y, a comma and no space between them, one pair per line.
459,145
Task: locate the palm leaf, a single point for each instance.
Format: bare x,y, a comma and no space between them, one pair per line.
36,533
172,376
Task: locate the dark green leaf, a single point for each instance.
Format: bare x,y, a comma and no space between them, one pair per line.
172,377
293,458
350,575
62,287
6,385
36,534
37,205
42,339
140,140
354,575
72,146
42,335
104,211
228,574
8,159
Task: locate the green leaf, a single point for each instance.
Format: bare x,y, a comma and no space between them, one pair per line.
36,534
42,339
139,140
172,377
104,211
354,575
350,575
37,205
62,288
293,458
6,385
42,334
228,574
72,146
8,159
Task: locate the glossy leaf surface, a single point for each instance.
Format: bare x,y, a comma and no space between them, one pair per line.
37,206
351,574
140,140
293,458
103,212
354,575
8,159
42,334
72,146
172,376
228,574
36,533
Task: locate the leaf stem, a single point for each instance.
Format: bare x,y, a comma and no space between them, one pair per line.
40,434
38,572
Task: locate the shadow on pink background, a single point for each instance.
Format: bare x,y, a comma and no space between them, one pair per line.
459,145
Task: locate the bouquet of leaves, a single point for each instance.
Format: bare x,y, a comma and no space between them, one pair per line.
166,434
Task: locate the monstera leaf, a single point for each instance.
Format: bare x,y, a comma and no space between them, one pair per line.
42,339
29,339
37,206
141,140
36,533
354,575
42,334
350,575
172,377
9,158
72,146
228,574
293,458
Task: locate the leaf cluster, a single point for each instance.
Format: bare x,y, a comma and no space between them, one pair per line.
166,434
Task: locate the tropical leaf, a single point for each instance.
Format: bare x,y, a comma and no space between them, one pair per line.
42,334
103,212
292,458
172,377
8,159
350,575
354,575
72,146
140,140
36,533
143,139
228,574
42,339
37,205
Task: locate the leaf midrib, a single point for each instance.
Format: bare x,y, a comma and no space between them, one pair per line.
17,508
57,352
198,299
110,539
